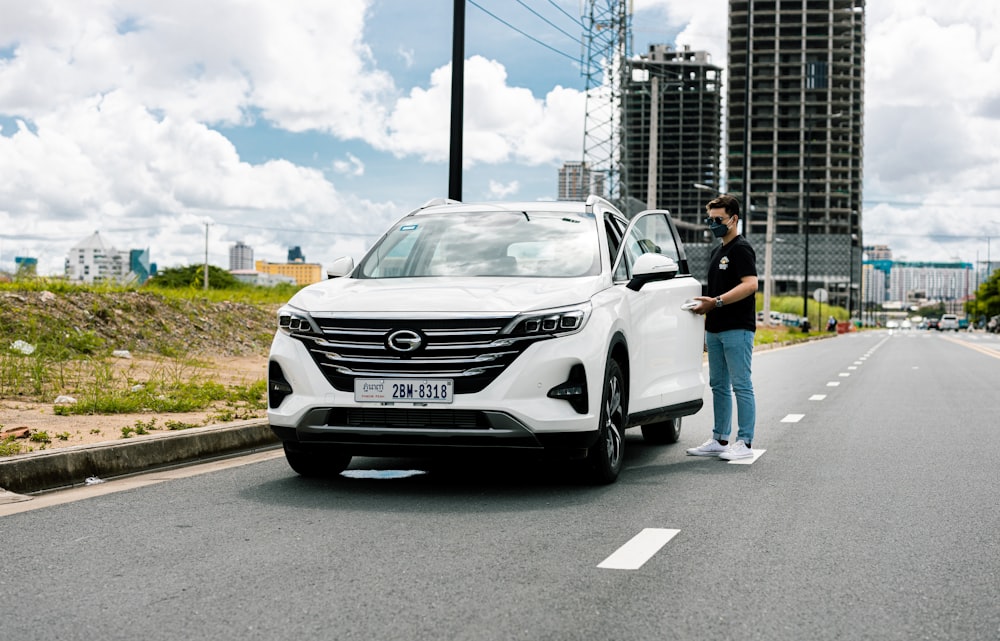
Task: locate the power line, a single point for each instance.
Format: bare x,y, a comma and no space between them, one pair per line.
532,38
575,20
550,23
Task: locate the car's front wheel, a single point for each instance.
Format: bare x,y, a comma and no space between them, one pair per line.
663,433
605,457
316,462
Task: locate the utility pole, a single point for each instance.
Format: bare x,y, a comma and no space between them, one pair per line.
654,140
746,122
768,256
207,224
457,101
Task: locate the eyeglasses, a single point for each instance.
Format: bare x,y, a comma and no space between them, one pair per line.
716,219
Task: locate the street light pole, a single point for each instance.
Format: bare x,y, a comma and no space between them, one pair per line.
807,212
768,257
805,222
205,286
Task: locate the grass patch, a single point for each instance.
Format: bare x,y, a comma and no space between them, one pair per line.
9,447
106,396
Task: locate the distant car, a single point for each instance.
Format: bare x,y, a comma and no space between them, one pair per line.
993,324
906,324
531,327
892,324
933,323
949,322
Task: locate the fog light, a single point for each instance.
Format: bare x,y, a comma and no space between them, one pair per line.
574,390
278,386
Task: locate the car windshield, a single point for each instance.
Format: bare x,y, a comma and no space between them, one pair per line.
541,244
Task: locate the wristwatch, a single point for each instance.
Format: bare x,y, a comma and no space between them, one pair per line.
718,301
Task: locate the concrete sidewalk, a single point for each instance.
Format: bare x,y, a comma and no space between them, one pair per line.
66,467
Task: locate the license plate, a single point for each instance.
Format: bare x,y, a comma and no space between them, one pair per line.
404,390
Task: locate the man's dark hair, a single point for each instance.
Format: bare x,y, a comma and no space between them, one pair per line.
725,201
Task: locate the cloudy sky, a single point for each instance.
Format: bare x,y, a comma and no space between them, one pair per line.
314,123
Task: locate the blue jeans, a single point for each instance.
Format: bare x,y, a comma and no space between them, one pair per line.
729,356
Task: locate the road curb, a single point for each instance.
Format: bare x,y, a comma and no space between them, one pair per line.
65,467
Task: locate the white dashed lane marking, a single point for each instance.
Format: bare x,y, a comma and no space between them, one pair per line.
817,397
833,384
638,550
793,418
749,460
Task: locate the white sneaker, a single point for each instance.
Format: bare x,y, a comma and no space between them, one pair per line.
711,447
737,451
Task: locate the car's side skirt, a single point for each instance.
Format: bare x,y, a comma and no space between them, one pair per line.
661,414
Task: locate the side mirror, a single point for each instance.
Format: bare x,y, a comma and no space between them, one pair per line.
340,267
651,267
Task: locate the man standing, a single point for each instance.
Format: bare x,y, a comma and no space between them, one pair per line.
730,323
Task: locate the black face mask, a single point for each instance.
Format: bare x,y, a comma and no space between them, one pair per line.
718,230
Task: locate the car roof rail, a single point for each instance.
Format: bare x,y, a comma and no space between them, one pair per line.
440,201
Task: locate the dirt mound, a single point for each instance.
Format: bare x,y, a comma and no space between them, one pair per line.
226,342
141,321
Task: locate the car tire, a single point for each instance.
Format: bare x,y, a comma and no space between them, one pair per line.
663,433
318,463
604,460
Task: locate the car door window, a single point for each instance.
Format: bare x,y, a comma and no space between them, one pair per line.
657,235
614,230
649,232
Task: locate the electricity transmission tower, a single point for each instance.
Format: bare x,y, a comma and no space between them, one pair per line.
607,27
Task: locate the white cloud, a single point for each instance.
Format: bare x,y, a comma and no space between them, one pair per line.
703,24
117,103
407,56
350,166
501,191
933,78
502,123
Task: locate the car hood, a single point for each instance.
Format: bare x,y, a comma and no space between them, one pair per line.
451,295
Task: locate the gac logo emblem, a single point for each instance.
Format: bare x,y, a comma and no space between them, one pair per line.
404,340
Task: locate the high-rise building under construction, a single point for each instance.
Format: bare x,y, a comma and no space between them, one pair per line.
795,131
672,117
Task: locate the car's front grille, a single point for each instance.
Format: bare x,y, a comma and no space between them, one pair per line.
408,418
469,350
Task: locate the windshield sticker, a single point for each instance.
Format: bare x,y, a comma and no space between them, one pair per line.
407,228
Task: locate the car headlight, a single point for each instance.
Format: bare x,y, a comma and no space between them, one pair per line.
296,321
550,322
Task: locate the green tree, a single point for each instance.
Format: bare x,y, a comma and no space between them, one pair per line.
193,277
987,301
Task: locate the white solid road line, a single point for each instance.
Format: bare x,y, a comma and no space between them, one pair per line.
638,550
80,492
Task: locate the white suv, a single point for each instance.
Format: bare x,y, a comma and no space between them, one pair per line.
542,327
948,321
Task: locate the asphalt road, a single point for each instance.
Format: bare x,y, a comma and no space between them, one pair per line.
871,514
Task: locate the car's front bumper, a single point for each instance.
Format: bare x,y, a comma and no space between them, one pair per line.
513,412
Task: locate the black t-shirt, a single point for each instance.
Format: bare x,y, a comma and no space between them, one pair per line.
729,264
